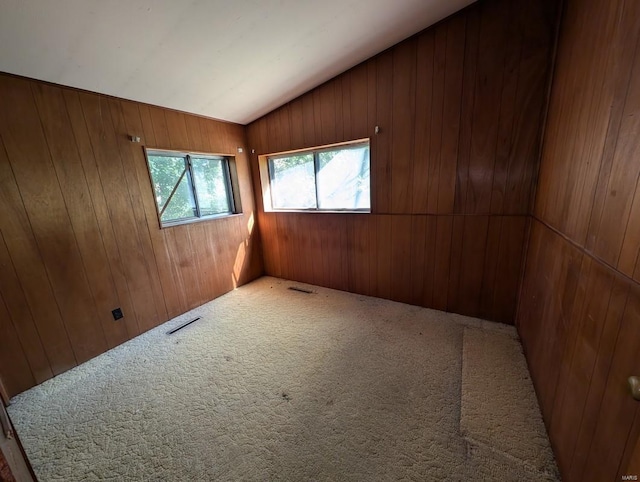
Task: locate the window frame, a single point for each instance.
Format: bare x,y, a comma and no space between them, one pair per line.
230,180
267,175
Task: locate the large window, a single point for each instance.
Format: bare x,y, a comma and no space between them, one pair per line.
188,187
332,178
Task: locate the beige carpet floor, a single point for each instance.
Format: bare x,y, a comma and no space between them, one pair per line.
274,384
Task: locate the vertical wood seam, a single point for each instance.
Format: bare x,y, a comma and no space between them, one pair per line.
94,307
44,266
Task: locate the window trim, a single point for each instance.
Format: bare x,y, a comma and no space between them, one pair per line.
230,179
266,175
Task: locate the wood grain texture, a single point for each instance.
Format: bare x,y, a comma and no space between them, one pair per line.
459,108
578,316
79,233
406,258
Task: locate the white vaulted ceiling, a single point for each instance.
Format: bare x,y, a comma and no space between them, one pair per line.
231,60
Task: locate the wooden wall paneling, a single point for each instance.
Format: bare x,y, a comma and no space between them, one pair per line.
467,106
422,122
418,256
337,112
381,149
492,254
507,112
204,133
273,133
226,251
510,264
327,113
384,249
534,306
589,131
455,262
361,275
194,134
611,244
284,132
268,244
618,408
231,241
630,462
297,124
70,174
621,71
552,296
491,54
306,226
359,78
326,256
598,378
472,264
15,372
4,394
435,255
533,296
403,118
138,122
436,121
581,119
579,358
299,249
112,174
308,125
34,283
537,26
41,194
563,309
452,95
447,103
129,154
374,285
287,249
354,248
214,272
372,112
160,129
275,244
401,260
444,248
315,248
215,136
177,129
103,214
292,251
558,135
345,104
204,258
21,316
339,252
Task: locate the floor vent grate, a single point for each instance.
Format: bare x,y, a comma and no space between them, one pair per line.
187,323
301,290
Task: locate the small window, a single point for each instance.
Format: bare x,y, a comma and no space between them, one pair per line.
189,187
331,178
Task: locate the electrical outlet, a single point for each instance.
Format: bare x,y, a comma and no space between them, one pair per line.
117,313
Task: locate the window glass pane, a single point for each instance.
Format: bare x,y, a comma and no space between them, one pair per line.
293,182
343,179
182,204
209,176
174,202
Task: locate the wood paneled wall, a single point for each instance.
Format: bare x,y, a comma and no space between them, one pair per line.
579,315
79,232
459,108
